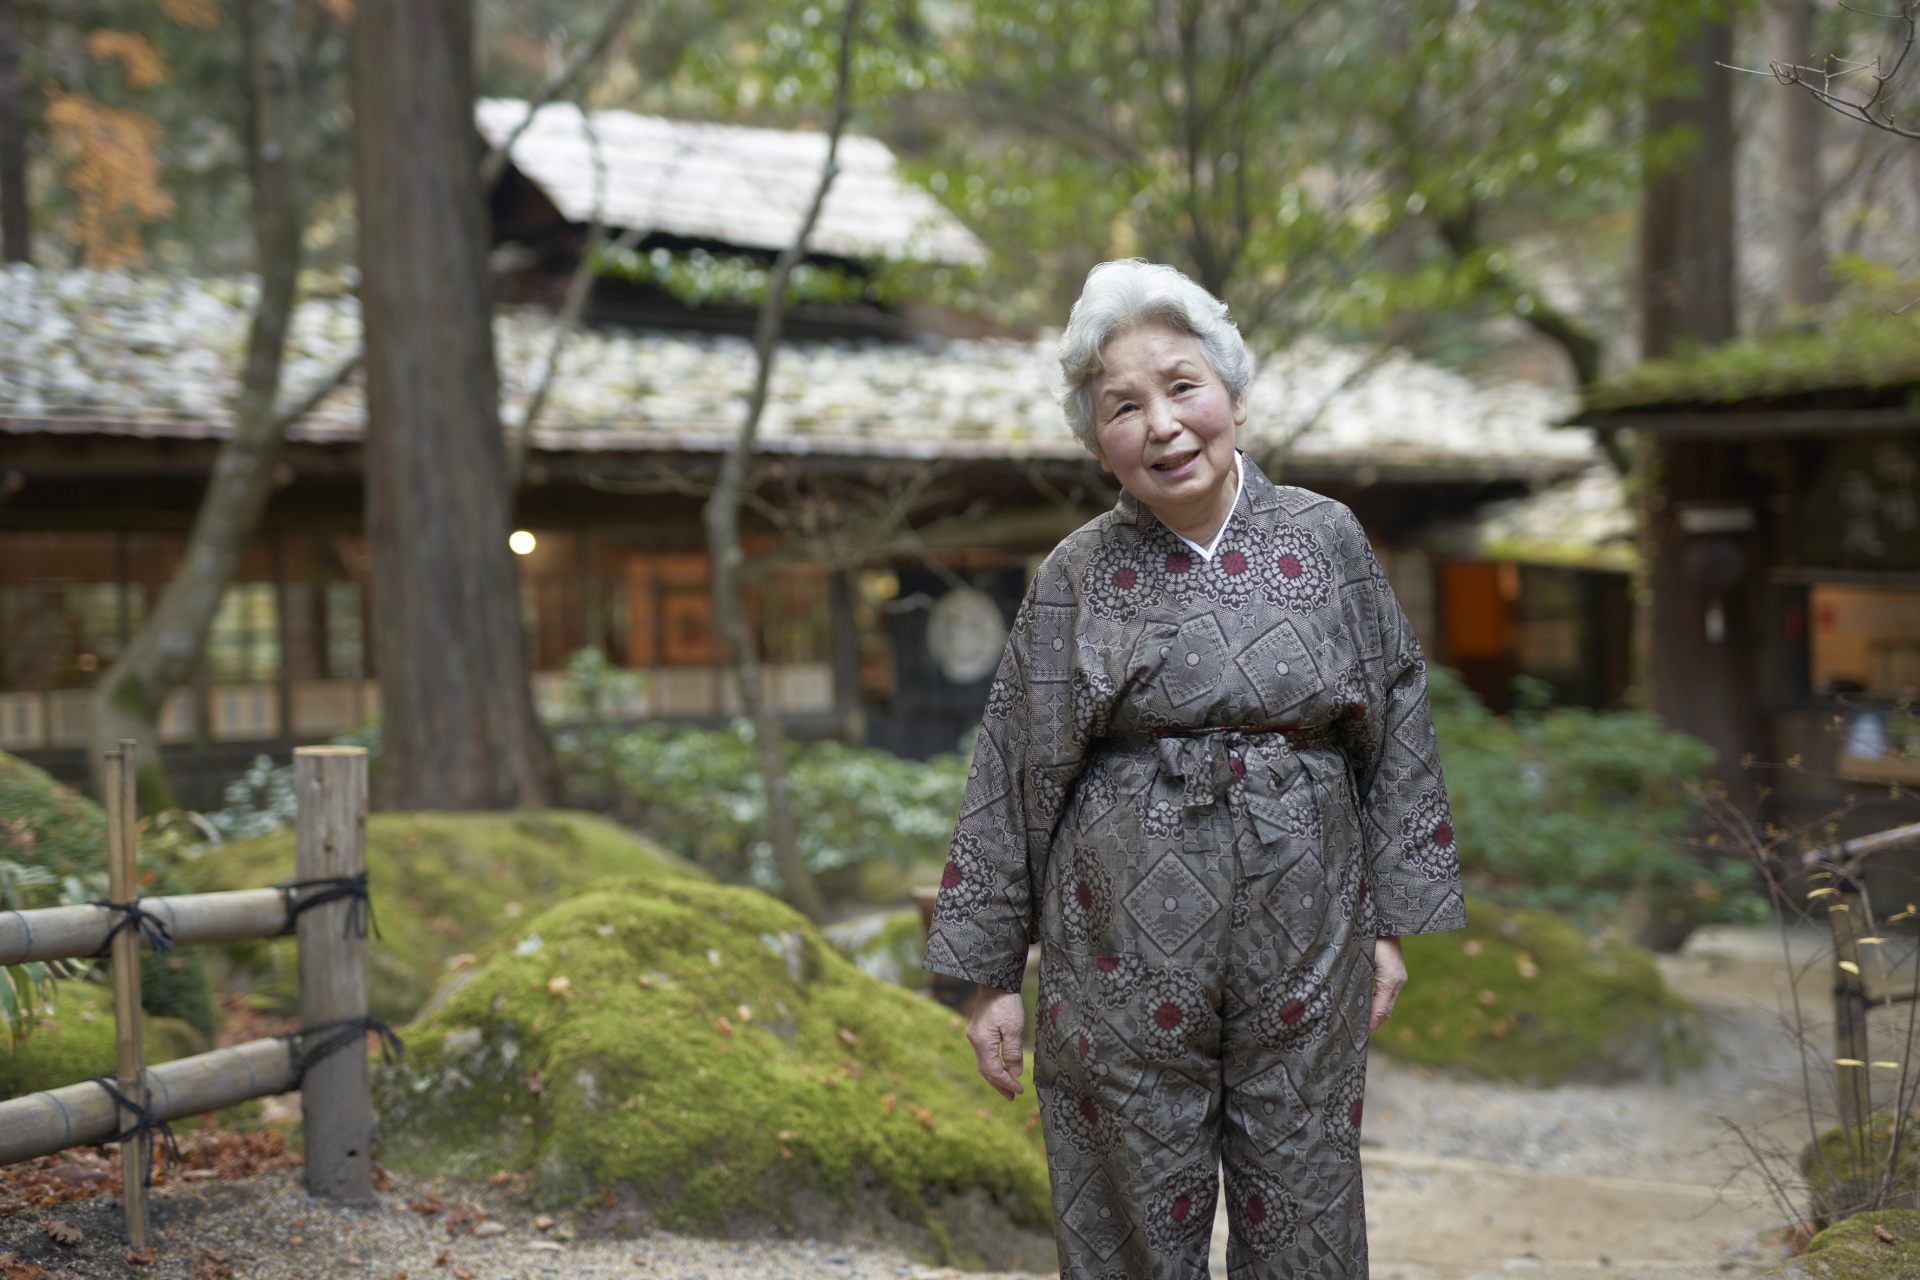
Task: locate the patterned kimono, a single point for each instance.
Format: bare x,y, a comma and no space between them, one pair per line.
1203,786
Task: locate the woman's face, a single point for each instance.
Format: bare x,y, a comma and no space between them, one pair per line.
1164,425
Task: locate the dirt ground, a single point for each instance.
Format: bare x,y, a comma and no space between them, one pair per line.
1466,1180
1650,1180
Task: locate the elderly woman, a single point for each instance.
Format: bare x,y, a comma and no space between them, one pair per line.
1206,784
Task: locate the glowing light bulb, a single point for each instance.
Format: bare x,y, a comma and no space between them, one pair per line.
520,542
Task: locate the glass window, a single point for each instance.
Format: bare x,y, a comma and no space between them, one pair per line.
1864,641
243,644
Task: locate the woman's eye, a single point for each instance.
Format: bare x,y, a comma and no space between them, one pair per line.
1179,387
1124,410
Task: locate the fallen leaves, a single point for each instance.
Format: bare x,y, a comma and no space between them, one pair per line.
847,1037
81,1173
1884,1236
60,1233
140,1257
13,1268
559,986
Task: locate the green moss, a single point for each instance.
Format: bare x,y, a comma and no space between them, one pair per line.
73,1040
47,825
703,1046
1524,996
1860,1249
1870,351
443,884
1845,1172
44,824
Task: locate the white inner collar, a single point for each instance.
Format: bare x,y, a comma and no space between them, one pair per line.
1239,481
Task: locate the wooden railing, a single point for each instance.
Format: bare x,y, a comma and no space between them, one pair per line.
326,907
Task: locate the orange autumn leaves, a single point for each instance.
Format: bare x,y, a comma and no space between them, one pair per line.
109,154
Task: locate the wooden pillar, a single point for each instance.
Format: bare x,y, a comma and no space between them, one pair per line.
123,886
845,639
336,1098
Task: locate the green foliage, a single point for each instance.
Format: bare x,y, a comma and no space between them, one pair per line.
443,885
1579,811
1523,995
699,792
702,1045
1296,158
698,277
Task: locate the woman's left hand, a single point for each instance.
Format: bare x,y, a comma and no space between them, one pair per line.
1389,979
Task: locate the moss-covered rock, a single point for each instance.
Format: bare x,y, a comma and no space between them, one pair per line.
1884,1245
444,885
47,825
701,1047
1524,996
886,945
1846,1172
73,1040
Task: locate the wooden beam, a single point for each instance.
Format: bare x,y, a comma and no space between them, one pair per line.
75,1115
1733,423
67,933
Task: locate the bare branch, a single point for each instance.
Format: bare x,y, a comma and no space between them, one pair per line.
585,56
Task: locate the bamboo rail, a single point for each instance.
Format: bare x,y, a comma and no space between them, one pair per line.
321,908
75,1115
70,933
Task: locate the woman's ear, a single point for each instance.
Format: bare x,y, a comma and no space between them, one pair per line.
1240,407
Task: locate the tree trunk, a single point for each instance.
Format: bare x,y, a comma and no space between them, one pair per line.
16,220
1698,635
1686,223
1798,187
458,727
722,517
162,654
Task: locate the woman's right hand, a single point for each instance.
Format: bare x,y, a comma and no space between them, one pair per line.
999,1020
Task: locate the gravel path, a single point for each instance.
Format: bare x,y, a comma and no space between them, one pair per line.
1466,1180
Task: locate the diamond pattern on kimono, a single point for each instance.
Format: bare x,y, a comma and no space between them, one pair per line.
1192,659
1051,649
1095,1217
1340,1225
1299,902
1171,905
986,778
1268,1107
1281,670
1173,1111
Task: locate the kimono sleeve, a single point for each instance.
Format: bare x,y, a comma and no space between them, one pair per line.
1029,751
1413,869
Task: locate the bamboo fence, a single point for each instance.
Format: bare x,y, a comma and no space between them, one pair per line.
326,907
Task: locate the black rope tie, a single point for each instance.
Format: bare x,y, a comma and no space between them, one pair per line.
144,1121
151,926
310,1045
351,888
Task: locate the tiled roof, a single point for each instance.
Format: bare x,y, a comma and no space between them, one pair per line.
160,355
747,187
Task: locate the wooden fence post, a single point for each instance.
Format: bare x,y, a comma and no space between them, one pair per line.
336,1099
123,885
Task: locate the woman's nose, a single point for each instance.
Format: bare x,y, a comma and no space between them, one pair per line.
1161,421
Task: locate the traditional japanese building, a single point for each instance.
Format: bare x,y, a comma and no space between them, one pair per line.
1781,534
908,478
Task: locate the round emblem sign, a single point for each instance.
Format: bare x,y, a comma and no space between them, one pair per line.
965,634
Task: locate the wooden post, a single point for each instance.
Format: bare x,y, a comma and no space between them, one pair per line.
336,1099
123,886
1849,1009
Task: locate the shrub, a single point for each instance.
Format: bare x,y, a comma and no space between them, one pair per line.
53,844
1579,812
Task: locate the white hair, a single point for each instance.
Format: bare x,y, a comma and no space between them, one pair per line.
1122,295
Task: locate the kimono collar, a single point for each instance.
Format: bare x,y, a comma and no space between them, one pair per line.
1255,490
